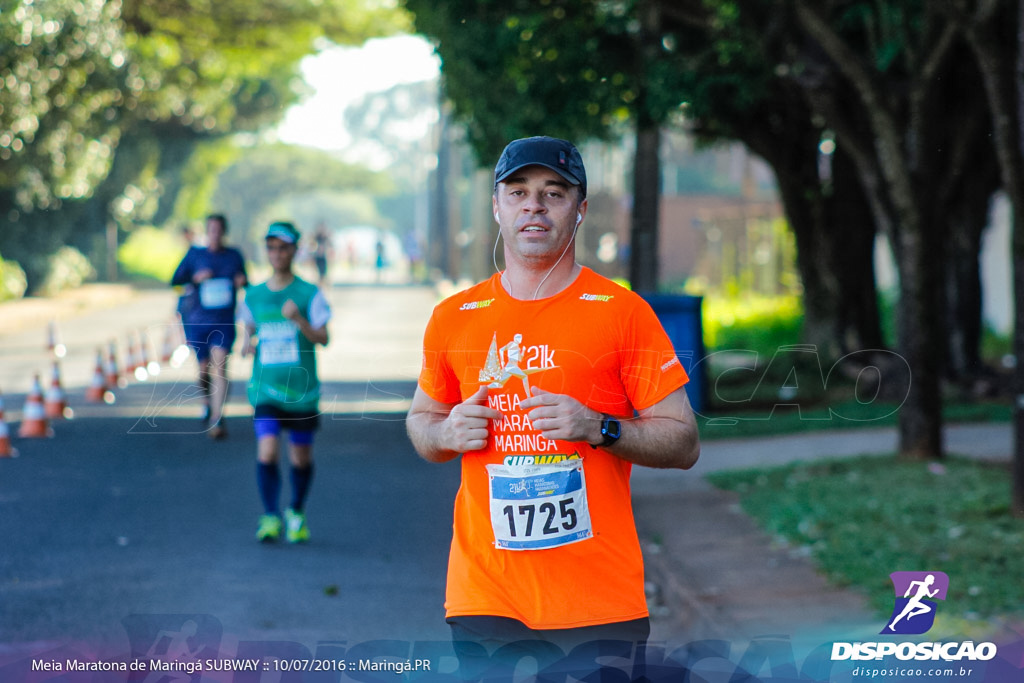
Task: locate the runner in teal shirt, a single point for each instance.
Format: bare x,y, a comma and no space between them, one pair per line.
289,318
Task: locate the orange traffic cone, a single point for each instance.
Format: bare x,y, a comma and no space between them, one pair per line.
52,345
113,376
96,391
6,450
143,350
55,402
131,360
167,350
33,418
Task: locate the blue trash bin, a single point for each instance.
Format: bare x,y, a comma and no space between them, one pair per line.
680,315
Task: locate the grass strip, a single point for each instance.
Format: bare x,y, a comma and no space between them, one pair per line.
862,518
723,424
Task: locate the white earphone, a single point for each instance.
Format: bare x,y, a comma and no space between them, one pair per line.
496,216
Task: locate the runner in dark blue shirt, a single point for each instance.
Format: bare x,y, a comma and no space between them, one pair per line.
217,272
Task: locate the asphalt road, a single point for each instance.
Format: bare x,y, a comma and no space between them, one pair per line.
117,516
129,530
129,521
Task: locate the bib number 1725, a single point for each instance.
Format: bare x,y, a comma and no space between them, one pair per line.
567,518
536,507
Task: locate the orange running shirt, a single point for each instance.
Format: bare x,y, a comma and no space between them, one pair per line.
543,530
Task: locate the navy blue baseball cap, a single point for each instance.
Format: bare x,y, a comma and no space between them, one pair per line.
560,156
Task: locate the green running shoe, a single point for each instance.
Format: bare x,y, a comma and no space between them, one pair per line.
296,530
269,529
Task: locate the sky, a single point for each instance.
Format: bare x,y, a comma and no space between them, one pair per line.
339,76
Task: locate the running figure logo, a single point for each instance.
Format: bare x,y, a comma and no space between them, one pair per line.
914,612
504,363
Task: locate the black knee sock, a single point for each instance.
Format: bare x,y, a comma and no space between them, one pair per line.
268,481
301,478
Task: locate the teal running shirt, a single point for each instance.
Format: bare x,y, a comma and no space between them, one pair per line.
284,370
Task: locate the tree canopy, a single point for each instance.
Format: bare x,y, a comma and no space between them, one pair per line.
261,177
100,97
872,114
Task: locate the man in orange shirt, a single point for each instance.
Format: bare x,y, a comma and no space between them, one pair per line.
544,545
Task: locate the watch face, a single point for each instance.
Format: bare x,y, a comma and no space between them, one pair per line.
610,428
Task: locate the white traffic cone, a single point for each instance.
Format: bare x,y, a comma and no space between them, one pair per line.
167,350
55,403
131,361
6,450
151,367
52,345
97,391
33,418
113,376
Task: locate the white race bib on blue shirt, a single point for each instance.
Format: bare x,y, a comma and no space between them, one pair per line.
216,292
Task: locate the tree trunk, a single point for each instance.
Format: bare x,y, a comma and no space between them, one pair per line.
1001,73
850,240
643,254
966,222
892,153
644,271
439,240
835,256
963,195
919,326
830,216
1018,276
963,300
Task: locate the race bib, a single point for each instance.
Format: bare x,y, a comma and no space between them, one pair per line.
539,506
216,292
279,344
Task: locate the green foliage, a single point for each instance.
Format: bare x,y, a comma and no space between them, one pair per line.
12,280
228,65
863,518
152,253
751,395
102,103
333,209
995,346
887,302
200,177
263,176
58,105
751,323
571,69
68,269
886,31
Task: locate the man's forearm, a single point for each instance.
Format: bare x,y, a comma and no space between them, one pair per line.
663,435
425,430
658,441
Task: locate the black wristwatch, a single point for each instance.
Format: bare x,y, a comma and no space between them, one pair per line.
611,430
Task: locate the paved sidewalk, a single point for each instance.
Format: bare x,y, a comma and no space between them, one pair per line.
36,311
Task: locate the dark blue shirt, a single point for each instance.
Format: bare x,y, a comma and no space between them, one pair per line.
215,298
